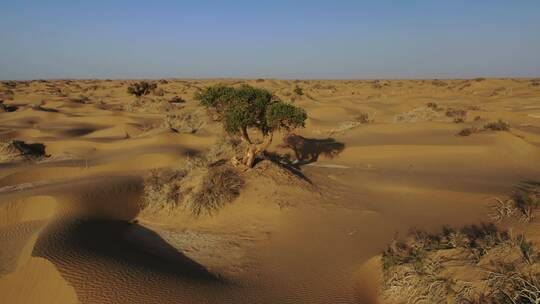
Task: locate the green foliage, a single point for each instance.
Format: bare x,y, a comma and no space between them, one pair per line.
141,88
285,116
249,107
217,97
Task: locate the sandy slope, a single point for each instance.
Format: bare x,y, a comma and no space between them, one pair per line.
66,229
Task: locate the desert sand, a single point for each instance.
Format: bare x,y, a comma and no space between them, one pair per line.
376,161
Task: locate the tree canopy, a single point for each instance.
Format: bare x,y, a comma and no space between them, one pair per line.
247,107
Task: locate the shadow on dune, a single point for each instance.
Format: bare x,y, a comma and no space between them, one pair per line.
69,244
308,150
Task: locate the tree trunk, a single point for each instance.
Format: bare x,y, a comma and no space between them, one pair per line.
253,150
249,158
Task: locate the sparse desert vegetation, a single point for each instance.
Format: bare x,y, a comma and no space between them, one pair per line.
474,264
141,88
498,125
203,185
237,182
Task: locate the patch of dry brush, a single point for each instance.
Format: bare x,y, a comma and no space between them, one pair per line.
20,150
499,125
475,264
203,186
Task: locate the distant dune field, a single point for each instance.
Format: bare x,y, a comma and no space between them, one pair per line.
376,159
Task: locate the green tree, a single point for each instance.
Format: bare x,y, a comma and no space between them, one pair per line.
247,108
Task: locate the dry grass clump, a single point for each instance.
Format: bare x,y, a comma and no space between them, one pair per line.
162,189
358,120
220,186
492,126
19,150
202,186
499,125
148,105
522,204
475,264
298,91
433,112
454,112
419,114
185,121
141,88
468,131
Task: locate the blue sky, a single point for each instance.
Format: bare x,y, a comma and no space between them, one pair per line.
279,39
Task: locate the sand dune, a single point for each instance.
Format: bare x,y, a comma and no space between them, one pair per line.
72,229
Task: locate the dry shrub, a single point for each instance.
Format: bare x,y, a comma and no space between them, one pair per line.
185,121
360,119
430,268
420,114
203,185
493,126
527,200
148,105
221,186
523,204
298,91
468,131
364,118
140,88
177,99
19,150
453,112
162,190
499,125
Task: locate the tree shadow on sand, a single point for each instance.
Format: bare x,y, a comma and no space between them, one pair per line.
306,151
